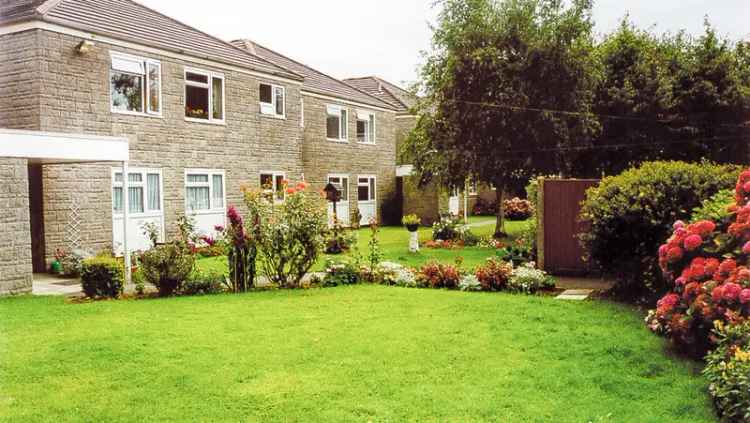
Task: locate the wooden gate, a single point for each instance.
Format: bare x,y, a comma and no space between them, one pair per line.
559,205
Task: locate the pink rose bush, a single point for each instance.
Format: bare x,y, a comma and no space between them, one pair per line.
708,266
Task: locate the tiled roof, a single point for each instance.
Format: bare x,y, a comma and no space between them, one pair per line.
392,94
130,21
315,81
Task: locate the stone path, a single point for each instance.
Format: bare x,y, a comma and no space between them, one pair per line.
46,284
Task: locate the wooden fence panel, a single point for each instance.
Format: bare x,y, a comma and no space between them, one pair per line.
559,207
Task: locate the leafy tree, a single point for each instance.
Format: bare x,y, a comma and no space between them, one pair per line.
668,97
494,83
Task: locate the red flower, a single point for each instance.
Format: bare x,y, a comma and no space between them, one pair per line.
718,293
692,242
680,281
727,266
712,265
745,296
678,224
674,254
746,248
663,250
301,186
668,302
290,190
732,291
234,216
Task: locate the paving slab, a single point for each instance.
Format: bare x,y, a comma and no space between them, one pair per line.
575,294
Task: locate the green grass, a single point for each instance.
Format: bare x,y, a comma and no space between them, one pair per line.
394,242
361,353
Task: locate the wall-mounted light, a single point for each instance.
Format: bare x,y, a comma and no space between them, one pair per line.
84,46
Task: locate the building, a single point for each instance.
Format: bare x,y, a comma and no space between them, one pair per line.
202,117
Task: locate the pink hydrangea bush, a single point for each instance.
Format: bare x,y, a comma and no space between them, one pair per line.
708,266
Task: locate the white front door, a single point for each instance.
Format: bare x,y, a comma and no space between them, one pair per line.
146,206
367,199
205,201
341,182
454,203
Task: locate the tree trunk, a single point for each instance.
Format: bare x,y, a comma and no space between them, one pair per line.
500,222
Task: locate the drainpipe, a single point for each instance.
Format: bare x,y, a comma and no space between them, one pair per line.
125,218
466,202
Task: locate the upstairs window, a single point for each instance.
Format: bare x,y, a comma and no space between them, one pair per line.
365,127
204,96
272,98
135,85
337,127
272,184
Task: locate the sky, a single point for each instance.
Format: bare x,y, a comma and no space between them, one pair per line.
351,38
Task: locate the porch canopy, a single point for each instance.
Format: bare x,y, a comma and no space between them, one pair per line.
58,148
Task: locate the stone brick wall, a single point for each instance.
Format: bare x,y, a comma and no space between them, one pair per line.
15,254
19,109
404,125
75,98
321,157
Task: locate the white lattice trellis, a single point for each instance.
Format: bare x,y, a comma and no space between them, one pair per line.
73,228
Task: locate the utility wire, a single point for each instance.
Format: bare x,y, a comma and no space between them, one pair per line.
586,114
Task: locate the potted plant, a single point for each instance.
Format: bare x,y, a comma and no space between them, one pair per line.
56,265
411,222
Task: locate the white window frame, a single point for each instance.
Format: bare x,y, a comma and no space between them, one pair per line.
146,98
269,109
273,189
212,209
210,86
473,187
343,122
341,176
369,118
143,184
373,197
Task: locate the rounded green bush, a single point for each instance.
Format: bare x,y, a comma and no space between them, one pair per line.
631,214
102,277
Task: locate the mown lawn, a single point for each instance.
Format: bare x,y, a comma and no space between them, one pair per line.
359,353
394,242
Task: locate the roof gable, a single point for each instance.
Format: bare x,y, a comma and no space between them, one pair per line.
385,91
315,80
130,21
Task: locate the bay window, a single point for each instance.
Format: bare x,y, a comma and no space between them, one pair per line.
272,99
337,127
204,190
135,85
365,127
272,185
204,96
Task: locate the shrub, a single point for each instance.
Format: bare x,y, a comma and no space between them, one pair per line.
528,279
715,208
291,235
707,266
728,372
102,277
517,209
493,275
484,208
389,273
341,272
522,249
470,283
437,275
631,214
72,263
339,239
446,229
242,249
204,283
167,266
